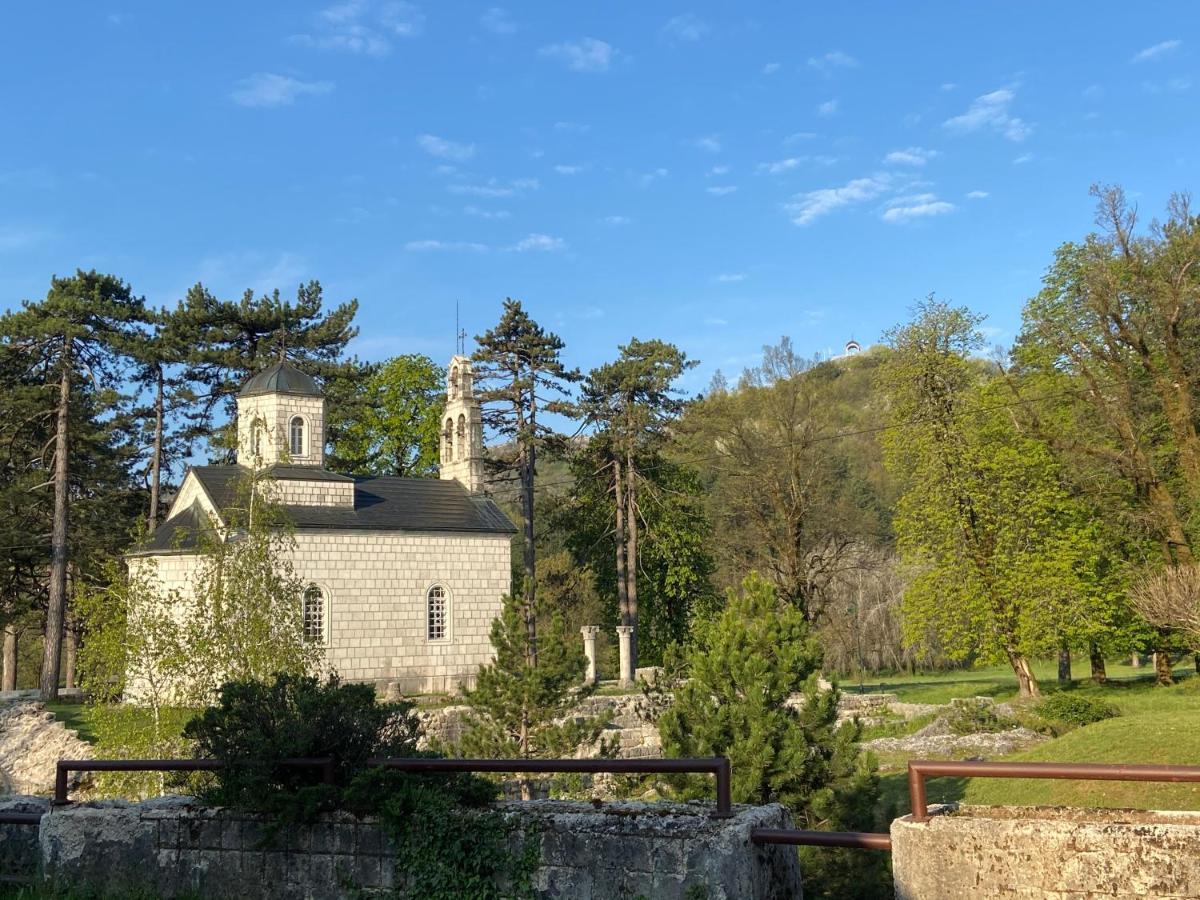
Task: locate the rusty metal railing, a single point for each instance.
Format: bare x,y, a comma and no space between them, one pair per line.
920,769
66,766
856,840
20,818
718,766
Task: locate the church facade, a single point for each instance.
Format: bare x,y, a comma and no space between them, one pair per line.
404,576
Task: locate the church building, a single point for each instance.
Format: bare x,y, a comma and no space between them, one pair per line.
404,575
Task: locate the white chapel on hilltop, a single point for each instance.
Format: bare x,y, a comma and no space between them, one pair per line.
405,575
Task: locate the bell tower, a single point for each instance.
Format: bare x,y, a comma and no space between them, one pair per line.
462,428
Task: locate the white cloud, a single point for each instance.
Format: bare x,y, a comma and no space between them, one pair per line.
431,246
586,55
710,143
910,156
730,277
1173,86
977,195
360,26
1093,92
716,170
686,28
771,68
616,220
828,108
568,170
266,89
722,190
1022,159
572,127
494,188
781,165
1158,51
539,242
834,59
715,320
991,111
444,149
806,208
479,213
13,238
648,178
798,136
949,86
495,19
916,206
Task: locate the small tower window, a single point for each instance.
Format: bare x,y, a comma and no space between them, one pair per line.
314,615
454,382
296,436
448,439
436,608
462,437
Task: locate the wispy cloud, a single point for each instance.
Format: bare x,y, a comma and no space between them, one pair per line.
834,59
977,195
915,206
266,89
991,112
716,171
1158,51
495,188
686,28
616,220
572,127
14,238
771,68
710,143
806,208
1171,86
1022,159
730,277
433,246
722,190
361,26
540,243
496,20
715,321
910,156
828,108
479,213
779,166
568,170
444,149
645,179
586,55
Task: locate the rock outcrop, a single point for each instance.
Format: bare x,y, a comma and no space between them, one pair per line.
32,741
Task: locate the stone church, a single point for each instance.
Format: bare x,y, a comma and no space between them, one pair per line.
404,575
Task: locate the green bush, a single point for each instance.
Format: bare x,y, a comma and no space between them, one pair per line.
1075,710
975,716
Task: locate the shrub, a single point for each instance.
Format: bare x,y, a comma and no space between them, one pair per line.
975,716
1075,710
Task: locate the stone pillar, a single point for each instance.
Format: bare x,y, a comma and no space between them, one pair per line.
625,637
589,633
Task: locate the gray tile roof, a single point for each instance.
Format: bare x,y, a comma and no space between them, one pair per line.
381,503
281,378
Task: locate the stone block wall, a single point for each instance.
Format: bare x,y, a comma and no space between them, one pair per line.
1047,852
298,492
19,843
174,848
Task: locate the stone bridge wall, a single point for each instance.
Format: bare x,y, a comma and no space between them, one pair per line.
173,848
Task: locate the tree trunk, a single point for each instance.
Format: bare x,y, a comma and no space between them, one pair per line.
8,680
57,607
1162,668
1026,681
622,582
1099,673
1135,659
71,646
1064,665
631,567
527,465
156,454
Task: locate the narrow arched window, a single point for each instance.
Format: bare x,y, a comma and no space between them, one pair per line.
436,613
314,615
448,439
296,436
257,432
454,383
462,437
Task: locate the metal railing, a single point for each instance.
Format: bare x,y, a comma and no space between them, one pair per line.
20,818
718,766
920,769
856,840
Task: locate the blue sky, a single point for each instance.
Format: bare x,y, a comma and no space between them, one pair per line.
713,174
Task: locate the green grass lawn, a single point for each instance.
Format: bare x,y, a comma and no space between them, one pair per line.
74,716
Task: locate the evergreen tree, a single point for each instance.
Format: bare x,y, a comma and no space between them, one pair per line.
519,374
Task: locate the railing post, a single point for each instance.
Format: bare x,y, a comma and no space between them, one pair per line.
60,784
916,793
724,788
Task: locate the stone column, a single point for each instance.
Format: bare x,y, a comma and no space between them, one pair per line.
625,637
589,633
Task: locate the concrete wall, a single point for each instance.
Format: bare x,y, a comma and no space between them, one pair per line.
1047,852
620,850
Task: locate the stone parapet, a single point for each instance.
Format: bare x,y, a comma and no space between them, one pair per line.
1046,852
172,848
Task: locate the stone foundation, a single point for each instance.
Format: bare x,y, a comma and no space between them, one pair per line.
173,848
1047,852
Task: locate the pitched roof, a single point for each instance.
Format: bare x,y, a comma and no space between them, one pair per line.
381,503
281,378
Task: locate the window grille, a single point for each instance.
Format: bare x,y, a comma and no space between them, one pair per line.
314,615
436,617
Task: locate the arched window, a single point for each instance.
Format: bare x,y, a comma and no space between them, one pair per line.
314,615
454,383
296,436
437,607
462,437
448,440
257,432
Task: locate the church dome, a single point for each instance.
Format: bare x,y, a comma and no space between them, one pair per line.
281,378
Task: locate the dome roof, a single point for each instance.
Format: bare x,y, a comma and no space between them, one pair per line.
281,378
